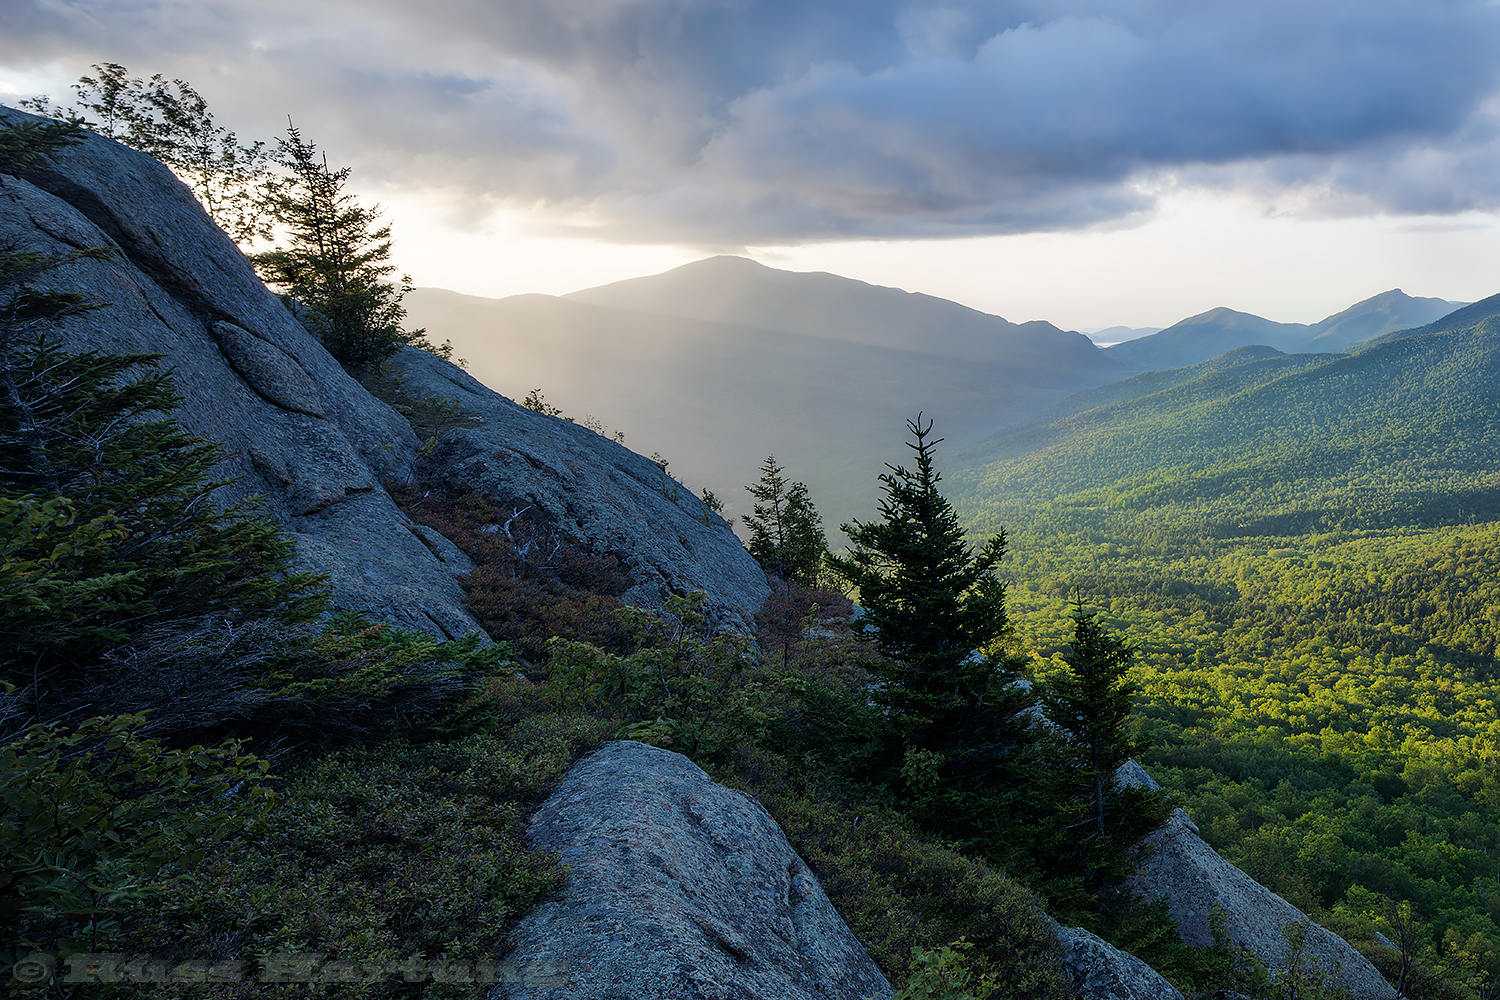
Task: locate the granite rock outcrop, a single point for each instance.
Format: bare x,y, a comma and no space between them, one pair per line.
319,449
677,888
590,488
1195,881
1100,971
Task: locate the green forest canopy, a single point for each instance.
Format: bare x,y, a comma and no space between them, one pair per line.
1306,549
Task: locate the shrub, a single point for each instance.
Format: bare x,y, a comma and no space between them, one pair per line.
943,974
100,818
531,582
683,686
900,893
385,853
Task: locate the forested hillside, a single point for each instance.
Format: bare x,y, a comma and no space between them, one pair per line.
1403,433
1305,548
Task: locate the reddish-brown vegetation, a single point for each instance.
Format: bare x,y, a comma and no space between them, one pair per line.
531,582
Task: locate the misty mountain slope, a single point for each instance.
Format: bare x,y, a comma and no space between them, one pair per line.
1210,334
1406,432
1392,310
1456,320
825,385
740,291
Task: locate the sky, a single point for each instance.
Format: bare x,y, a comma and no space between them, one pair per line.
1090,162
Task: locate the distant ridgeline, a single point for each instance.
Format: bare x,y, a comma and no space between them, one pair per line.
1209,334
1404,432
1306,548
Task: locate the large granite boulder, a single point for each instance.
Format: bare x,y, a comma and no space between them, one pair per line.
677,888
302,434
1195,882
590,487
1100,971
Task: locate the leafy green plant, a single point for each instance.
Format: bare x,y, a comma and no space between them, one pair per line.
1303,977
430,416
97,815
943,974
537,403
786,533
170,120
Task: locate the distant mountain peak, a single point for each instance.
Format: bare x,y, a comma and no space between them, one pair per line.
741,292
1212,333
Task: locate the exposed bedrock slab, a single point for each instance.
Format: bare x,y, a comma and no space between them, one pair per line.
594,490
1195,881
1100,971
309,440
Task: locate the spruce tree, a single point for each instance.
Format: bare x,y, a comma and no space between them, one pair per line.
335,265
111,529
1098,826
937,610
28,143
1090,706
767,518
805,546
786,532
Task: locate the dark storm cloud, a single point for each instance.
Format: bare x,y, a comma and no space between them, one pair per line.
759,122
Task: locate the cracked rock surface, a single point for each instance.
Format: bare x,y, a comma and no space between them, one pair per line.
678,889
593,490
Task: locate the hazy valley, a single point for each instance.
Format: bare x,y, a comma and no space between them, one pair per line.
822,371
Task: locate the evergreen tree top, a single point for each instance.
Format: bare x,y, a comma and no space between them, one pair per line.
928,594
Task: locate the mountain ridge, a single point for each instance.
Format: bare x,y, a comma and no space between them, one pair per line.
818,369
738,290
1402,429
823,383
1211,333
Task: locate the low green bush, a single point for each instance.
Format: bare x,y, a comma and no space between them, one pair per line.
374,855
100,820
900,892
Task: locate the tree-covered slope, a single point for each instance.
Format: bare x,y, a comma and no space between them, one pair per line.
1405,432
1459,319
1303,550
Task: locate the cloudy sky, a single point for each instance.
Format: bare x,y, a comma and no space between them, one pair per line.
1084,161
